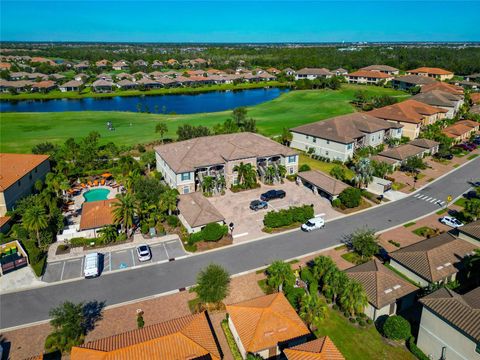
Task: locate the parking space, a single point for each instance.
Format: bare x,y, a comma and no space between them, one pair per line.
248,223
113,261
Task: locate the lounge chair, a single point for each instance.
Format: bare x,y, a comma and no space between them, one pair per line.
83,185
90,183
102,182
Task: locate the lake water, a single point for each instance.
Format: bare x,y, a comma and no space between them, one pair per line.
180,104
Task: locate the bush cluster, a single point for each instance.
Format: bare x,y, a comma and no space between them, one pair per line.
285,217
397,328
173,221
211,232
350,197
304,167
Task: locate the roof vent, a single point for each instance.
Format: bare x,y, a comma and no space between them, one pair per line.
388,291
447,264
397,287
282,329
440,267
268,333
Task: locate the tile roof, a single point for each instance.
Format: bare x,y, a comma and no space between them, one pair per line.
442,86
472,229
72,83
263,322
402,152
424,143
189,337
382,285
43,84
415,79
435,258
323,181
409,111
430,70
345,129
475,98
463,311
379,68
460,128
314,71
15,166
438,98
379,158
370,74
319,349
102,82
197,210
4,220
96,214
187,155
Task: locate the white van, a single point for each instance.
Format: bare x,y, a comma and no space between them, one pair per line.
90,266
313,224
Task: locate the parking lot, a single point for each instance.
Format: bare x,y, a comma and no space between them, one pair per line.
248,223
113,260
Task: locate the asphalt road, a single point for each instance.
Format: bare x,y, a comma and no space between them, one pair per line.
33,305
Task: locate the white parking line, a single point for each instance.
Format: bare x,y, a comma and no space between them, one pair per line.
420,197
166,250
240,235
63,268
81,267
133,258
172,241
120,251
110,261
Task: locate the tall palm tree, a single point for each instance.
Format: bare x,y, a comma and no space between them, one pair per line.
312,310
353,297
281,171
124,211
334,284
242,172
246,175
168,201
280,273
35,219
207,184
108,234
364,172
161,128
321,265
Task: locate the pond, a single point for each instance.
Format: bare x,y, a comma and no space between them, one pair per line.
179,104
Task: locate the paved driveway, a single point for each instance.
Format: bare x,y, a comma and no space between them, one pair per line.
249,224
112,261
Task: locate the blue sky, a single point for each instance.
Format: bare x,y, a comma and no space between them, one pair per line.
239,21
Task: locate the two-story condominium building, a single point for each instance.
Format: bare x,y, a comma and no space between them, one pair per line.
368,77
390,70
313,73
443,86
407,82
338,138
412,114
462,130
184,164
18,174
450,325
443,100
437,73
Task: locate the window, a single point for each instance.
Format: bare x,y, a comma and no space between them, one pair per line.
290,171
349,146
328,142
326,153
185,176
30,176
19,183
306,137
292,159
36,170
314,139
186,189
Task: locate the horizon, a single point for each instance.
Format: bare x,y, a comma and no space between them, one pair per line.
234,22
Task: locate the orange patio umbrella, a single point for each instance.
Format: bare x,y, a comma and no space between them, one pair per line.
106,175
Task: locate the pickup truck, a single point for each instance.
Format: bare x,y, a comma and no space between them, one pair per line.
272,194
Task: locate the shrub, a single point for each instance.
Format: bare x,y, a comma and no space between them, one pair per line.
369,321
285,217
336,203
195,237
335,307
214,231
304,167
338,172
358,318
172,220
362,322
415,350
397,328
362,315
351,197
144,228
352,320
346,314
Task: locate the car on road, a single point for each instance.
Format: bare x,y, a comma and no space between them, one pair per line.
91,265
258,205
472,195
143,252
273,194
314,224
451,221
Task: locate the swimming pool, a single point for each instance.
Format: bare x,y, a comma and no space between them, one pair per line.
96,195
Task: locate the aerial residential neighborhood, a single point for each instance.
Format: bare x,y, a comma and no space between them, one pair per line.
240,181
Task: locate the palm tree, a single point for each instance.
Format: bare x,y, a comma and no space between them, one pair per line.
57,182
108,234
353,297
321,265
130,179
207,184
35,219
312,310
364,172
162,129
334,284
279,273
281,171
168,201
124,211
220,183
246,175
270,174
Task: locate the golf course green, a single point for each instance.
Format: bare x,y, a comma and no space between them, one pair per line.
19,132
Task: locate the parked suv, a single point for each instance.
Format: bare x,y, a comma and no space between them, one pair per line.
258,205
273,194
451,221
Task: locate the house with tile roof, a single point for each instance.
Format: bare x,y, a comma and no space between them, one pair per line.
189,337
322,348
390,70
386,291
470,232
443,86
412,114
368,77
337,138
436,73
196,212
442,100
407,82
18,174
450,325
322,184
96,215
185,164
461,130
313,73
265,325
434,260
72,85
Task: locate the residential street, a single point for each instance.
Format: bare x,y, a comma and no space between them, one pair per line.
33,305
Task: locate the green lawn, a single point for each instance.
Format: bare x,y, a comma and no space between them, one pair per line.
20,131
357,343
322,165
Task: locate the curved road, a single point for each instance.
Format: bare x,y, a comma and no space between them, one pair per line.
33,305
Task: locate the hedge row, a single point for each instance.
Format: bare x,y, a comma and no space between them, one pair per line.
211,232
285,217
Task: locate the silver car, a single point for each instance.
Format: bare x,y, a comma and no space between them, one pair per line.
143,252
451,221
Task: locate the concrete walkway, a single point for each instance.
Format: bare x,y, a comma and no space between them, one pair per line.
19,279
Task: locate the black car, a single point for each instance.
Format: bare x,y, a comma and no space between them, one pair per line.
472,195
273,194
446,156
258,205
476,141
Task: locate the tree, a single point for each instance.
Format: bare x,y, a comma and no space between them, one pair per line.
246,175
312,310
397,328
35,219
168,201
207,184
162,129
108,234
350,197
364,172
188,131
321,265
68,322
472,208
286,137
239,116
124,211
353,297
213,284
334,283
338,172
413,164
381,169
472,264
364,242
280,274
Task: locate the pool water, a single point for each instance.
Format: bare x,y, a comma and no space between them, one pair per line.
96,195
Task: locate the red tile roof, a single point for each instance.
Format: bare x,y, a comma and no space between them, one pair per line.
96,214
461,128
410,111
15,166
475,98
430,70
319,349
442,86
370,74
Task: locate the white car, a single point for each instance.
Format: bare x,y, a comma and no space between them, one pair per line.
451,221
90,266
313,224
143,252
